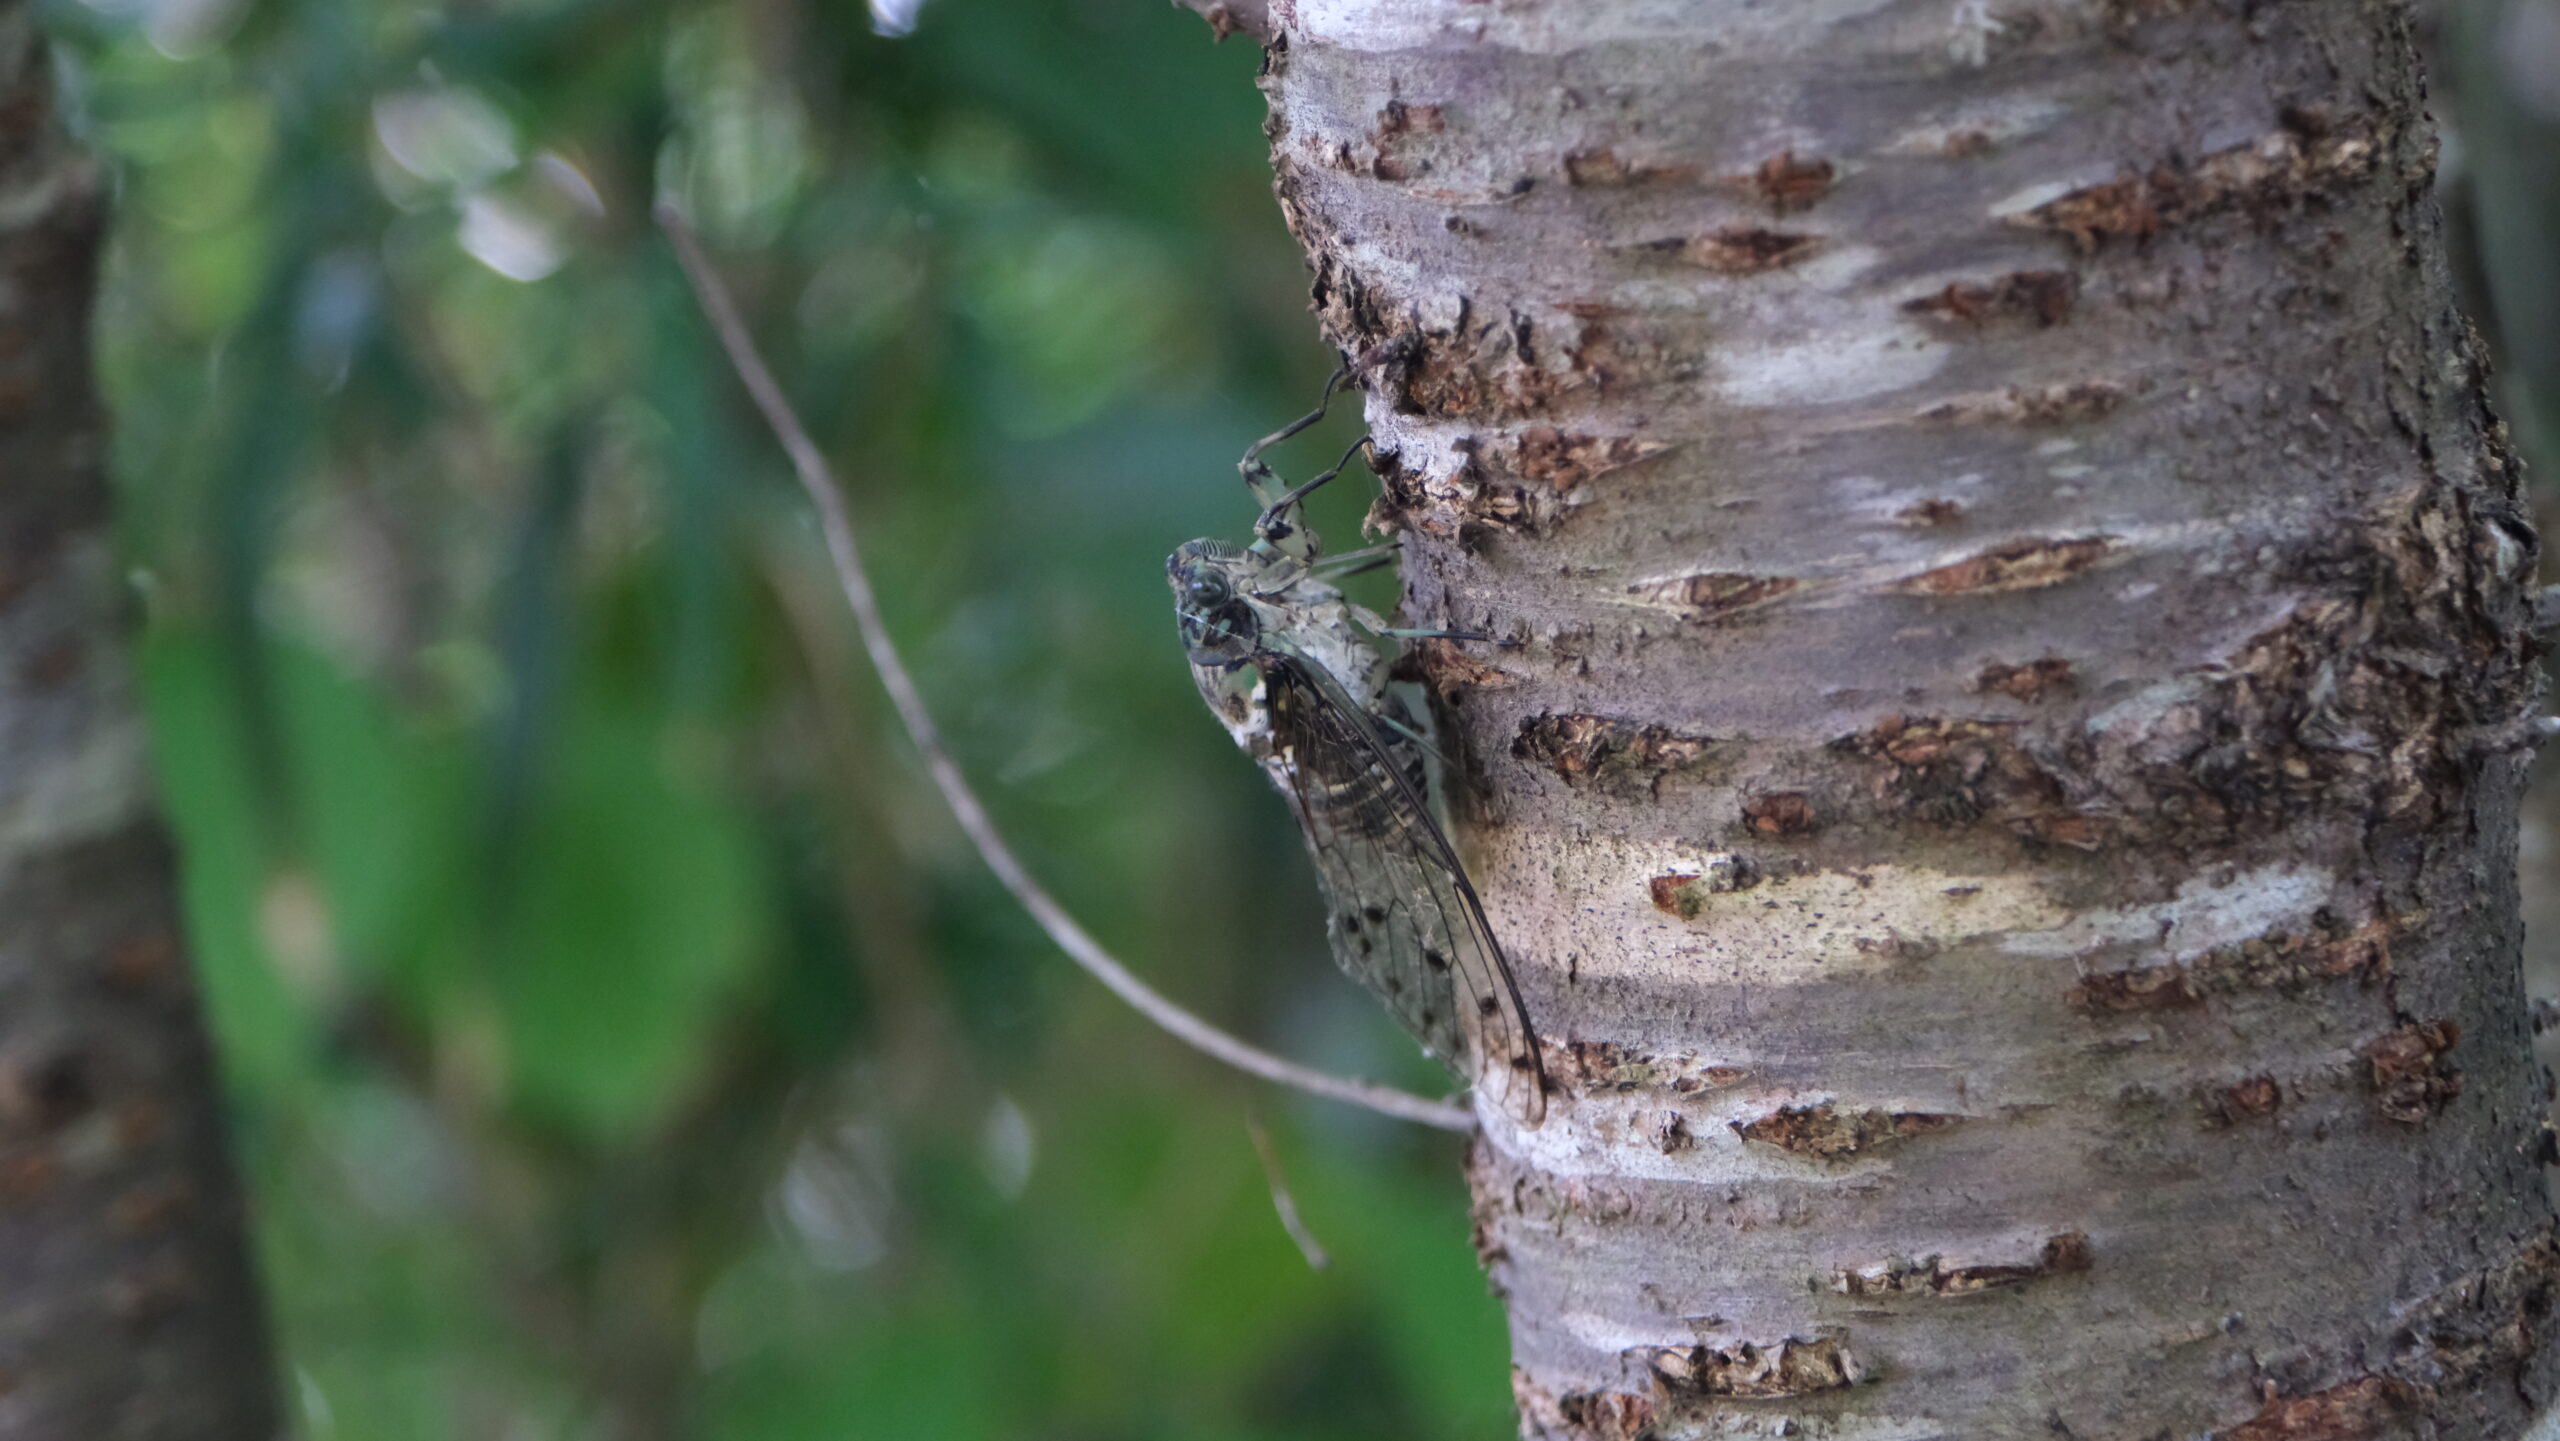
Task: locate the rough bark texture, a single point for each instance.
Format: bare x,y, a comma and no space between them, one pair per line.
127,1307
2005,808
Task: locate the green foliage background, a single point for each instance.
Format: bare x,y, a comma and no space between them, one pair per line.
623,1042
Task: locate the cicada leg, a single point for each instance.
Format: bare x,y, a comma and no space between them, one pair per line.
1258,475
1402,633
1358,562
1283,527
1413,735
1284,571
1281,531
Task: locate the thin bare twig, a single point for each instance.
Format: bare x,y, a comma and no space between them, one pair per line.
1282,1201
836,525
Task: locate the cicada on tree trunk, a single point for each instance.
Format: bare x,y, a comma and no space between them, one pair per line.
1295,672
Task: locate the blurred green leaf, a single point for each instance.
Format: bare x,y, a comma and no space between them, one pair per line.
931,1375
267,1030
634,915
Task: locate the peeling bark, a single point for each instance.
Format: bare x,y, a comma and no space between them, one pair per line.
2005,803
127,1307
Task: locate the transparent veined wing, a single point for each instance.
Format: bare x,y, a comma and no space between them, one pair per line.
1403,918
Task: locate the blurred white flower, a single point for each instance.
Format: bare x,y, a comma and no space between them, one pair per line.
1006,1148
895,17
563,178
509,239
445,134
834,1197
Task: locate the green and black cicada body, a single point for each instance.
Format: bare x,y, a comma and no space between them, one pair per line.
1294,671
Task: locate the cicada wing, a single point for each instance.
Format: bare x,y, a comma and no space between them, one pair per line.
1404,920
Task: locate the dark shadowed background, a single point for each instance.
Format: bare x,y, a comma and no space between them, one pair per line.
623,1042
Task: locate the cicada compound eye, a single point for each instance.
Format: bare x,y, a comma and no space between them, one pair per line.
1206,589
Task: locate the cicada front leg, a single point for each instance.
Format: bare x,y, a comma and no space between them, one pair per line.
1258,475
1282,530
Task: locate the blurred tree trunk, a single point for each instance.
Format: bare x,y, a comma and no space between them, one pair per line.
127,1306
2006,808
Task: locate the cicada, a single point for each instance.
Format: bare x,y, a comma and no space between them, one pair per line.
1295,672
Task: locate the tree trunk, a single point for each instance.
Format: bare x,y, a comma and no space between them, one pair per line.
2005,807
128,1311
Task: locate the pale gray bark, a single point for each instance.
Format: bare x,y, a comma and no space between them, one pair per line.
127,1307
2005,808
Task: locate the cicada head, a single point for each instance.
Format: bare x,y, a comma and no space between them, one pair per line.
1219,626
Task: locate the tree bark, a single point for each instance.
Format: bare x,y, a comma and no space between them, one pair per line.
128,1311
2004,809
